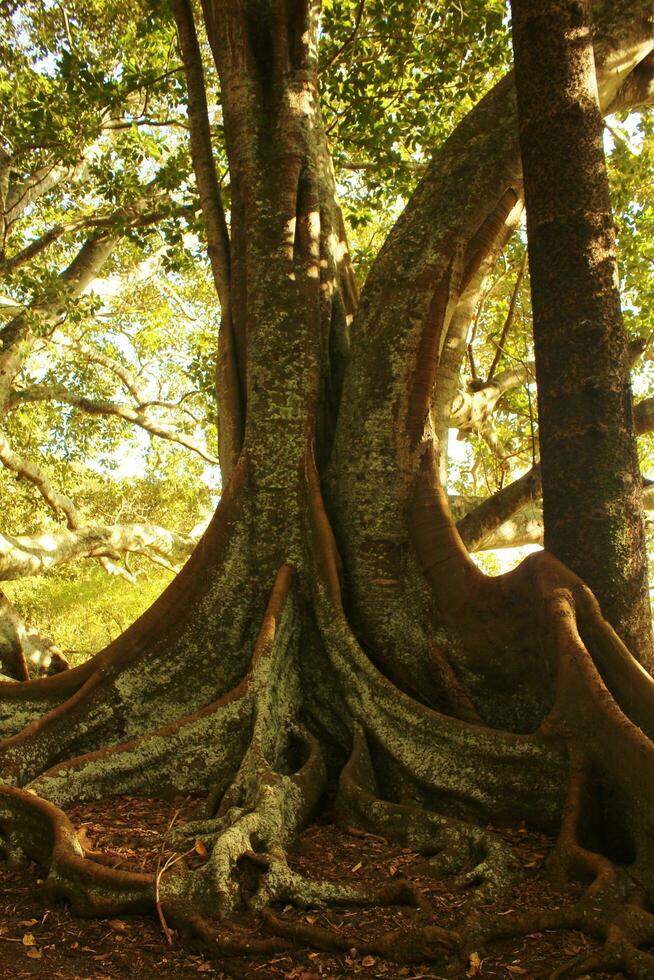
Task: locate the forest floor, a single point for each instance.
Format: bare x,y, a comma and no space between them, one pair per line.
40,938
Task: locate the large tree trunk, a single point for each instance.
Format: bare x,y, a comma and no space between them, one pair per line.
330,628
584,394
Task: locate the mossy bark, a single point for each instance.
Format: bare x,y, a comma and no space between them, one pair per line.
331,628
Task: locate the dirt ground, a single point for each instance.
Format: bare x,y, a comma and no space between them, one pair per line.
42,939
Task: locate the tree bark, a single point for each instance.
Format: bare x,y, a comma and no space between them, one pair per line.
230,367
584,395
330,630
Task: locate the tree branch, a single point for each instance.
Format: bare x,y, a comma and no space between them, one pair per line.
58,502
24,652
508,323
20,196
137,416
17,337
23,555
201,152
95,356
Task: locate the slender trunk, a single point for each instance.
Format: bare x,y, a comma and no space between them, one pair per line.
230,371
584,395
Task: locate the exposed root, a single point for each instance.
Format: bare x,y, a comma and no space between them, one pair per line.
279,780
618,957
222,941
573,859
39,830
201,749
406,945
275,789
476,855
459,703
428,779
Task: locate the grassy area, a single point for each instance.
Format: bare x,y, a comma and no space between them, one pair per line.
85,609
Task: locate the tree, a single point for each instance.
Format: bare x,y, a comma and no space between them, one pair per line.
331,627
580,342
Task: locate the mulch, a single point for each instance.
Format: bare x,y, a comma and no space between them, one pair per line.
42,939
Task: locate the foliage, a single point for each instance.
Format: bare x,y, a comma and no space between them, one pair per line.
93,99
395,80
83,609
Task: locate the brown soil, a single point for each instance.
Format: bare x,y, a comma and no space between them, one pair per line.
39,938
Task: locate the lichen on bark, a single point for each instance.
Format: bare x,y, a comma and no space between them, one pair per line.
330,631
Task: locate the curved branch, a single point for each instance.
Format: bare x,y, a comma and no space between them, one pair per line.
491,524
34,554
95,356
472,407
59,502
29,471
17,337
38,245
43,180
508,323
138,416
511,518
644,416
638,89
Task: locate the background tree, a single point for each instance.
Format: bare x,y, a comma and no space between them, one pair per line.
107,313
582,365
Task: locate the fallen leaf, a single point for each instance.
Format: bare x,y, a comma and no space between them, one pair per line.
29,940
34,954
311,919
204,967
516,969
474,965
118,925
27,923
368,961
200,848
393,870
